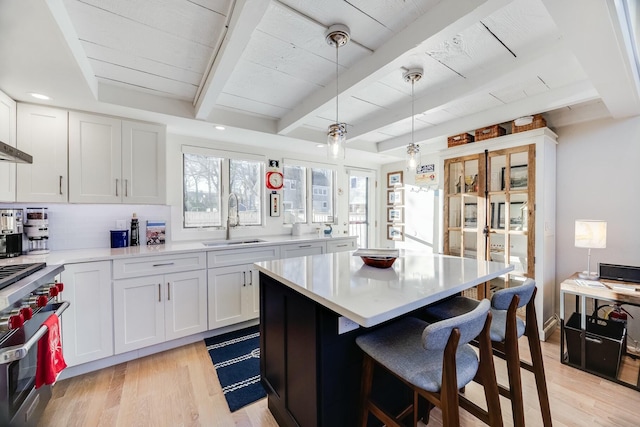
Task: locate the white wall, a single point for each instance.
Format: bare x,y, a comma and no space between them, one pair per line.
598,177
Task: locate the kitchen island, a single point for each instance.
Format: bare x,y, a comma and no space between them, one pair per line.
312,308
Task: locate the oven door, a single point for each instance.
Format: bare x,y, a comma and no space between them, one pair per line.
20,402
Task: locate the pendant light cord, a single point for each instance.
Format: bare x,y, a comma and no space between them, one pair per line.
337,69
413,82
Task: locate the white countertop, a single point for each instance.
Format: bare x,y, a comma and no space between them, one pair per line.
368,295
104,254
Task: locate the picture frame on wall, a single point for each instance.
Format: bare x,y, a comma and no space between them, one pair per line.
470,214
395,214
394,179
395,196
395,232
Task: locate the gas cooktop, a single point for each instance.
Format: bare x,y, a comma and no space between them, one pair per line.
11,273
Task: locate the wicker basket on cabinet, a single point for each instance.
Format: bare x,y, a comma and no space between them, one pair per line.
490,132
455,140
538,122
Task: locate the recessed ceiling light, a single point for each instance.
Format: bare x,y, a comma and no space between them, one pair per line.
320,145
220,127
39,95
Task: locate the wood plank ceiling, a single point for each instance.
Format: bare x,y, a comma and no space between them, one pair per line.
238,62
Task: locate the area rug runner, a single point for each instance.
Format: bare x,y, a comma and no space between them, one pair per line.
236,357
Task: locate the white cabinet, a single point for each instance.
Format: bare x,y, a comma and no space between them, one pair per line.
341,245
42,133
233,285
153,309
302,249
115,161
234,295
87,325
8,136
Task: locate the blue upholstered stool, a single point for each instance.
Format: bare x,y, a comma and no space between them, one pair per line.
506,328
435,361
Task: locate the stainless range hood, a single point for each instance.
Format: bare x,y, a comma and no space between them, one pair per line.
13,155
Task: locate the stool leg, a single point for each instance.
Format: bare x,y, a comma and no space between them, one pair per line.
365,393
487,373
536,358
512,356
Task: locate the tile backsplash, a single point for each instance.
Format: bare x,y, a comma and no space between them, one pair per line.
76,226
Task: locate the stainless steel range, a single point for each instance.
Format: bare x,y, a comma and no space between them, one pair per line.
29,294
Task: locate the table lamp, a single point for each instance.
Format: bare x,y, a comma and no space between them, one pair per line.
590,234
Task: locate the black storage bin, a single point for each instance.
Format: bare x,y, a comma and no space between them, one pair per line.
603,346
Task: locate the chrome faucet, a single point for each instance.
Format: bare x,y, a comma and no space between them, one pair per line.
236,221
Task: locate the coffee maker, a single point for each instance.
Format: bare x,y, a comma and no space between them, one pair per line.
10,232
36,228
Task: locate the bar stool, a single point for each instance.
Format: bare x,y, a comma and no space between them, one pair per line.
435,361
506,328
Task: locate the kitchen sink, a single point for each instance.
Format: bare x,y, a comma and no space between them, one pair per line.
231,242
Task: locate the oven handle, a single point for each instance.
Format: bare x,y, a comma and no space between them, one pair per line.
17,352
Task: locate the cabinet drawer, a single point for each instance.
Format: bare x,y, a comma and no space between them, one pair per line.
224,257
147,266
341,245
302,249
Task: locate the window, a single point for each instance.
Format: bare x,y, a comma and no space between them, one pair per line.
299,197
245,181
201,191
205,173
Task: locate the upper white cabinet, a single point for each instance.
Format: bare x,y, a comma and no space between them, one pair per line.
115,161
42,133
8,136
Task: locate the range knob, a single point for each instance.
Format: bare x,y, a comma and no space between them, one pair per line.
60,286
27,312
36,301
13,320
50,290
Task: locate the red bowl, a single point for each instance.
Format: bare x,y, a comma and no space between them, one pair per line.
378,262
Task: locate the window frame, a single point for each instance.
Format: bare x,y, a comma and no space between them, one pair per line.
310,191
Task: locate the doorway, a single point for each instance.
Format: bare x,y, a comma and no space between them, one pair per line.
362,207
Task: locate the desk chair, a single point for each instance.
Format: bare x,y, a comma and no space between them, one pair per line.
435,361
506,328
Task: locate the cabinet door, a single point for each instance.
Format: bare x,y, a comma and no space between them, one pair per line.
8,136
95,159
42,132
252,294
226,295
341,245
87,325
302,249
186,303
139,312
143,163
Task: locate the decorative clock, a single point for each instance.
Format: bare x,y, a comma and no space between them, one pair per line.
274,180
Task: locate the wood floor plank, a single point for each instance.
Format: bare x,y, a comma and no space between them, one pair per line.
180,388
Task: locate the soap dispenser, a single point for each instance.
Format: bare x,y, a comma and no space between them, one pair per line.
135,231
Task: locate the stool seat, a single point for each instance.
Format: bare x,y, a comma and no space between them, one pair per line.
398,347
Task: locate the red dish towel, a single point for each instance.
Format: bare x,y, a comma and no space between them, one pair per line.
50,360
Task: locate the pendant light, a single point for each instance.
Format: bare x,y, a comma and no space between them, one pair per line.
413,149
337,35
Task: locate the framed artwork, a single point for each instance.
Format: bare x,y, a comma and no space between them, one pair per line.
470,214
274,204
518,177
517,216
395,196
395,232
394,179
395,214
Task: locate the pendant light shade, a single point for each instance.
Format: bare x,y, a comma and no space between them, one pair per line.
413,149
337,35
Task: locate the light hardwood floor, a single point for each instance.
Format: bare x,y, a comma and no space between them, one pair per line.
180,388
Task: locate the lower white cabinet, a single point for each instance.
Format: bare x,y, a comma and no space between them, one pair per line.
234,295
341,245
153,309
87,325
302,249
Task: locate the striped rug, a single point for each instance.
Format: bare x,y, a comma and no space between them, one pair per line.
236,357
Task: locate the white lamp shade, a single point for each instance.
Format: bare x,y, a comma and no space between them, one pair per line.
591,234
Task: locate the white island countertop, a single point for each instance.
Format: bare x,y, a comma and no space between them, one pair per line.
370,296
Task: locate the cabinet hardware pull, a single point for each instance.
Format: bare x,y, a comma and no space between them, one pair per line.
304,246
250,279
244,278
60,184
594,340
126,188
168,291
343,246
159,292
163,264
117,183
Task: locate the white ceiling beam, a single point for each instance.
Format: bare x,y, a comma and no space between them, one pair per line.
245,17
601,47
445,19
547,54
562,97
